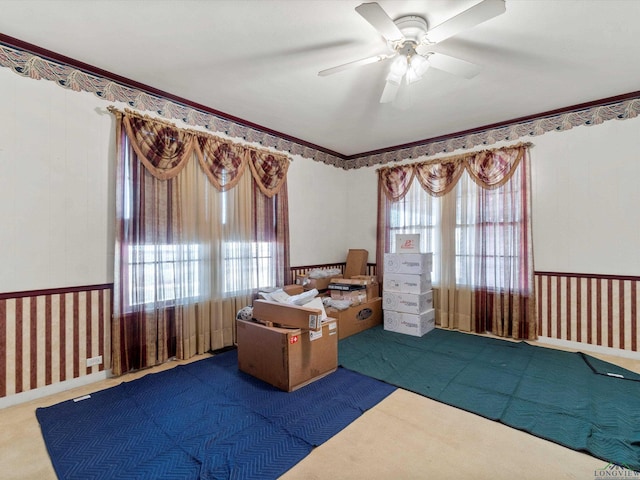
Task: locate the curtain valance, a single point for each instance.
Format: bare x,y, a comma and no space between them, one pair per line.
164,149
489,169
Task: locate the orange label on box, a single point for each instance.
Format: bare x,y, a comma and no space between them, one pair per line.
293,339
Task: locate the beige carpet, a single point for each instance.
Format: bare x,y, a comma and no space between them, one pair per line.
404,437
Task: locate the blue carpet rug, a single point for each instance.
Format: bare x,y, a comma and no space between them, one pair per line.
569,398
204,420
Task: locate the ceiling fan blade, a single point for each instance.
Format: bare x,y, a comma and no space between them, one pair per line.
355,63
453,65
378,18
481,12
390,92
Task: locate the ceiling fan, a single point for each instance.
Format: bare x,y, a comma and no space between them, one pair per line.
410,40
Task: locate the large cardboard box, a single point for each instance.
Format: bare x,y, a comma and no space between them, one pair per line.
356,262
287,358
287,314
357,318
413,263
416,325
407,302
406,283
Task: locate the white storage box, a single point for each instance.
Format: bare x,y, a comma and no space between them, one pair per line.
407,302
414,263
406,283
416,325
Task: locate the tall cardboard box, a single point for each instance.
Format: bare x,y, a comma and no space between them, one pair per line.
357,318
356,262
287,358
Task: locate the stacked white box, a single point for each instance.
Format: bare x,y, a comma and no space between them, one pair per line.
407,297
407,283
413,263
407,302
416,325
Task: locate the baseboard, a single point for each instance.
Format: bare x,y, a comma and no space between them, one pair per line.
587,347
37,393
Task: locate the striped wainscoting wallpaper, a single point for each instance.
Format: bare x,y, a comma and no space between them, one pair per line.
599,310
47,336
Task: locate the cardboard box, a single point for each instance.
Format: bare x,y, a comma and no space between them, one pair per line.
357,318
416,325
319,284
407,302
369,281
293,289
413,263
406,283
286,314
356,262
355,297
287,358
407,242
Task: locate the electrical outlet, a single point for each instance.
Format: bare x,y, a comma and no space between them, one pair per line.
94,361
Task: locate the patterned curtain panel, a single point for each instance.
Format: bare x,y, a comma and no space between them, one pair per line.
492,169
272,211
222,161
396,181
474,214
438,178
269,170
163,148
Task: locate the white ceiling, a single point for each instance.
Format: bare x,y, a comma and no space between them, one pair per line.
258,60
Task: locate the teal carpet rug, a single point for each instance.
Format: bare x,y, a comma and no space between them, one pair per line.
568,398
204,420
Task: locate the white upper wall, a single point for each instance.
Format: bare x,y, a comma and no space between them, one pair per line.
318,223
586,199
57,195
56,186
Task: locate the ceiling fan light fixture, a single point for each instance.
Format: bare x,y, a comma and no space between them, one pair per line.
394,79
419,65
397,70
399,66
412,77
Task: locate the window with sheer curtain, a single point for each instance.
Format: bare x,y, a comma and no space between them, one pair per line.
473,214
201,226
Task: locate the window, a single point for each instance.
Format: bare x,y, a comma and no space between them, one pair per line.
487,235
166,274
488,231
248,266
419,213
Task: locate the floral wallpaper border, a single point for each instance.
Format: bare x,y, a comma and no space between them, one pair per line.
29,65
